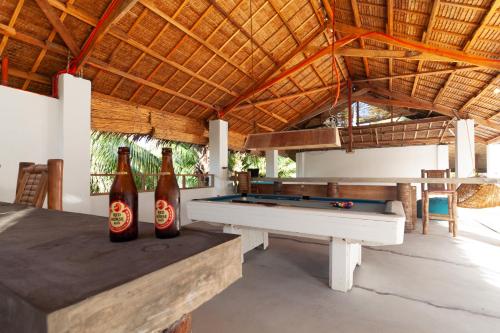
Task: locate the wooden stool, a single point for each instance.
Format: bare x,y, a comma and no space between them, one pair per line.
439,190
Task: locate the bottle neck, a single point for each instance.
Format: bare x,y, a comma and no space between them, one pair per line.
167,164
123,163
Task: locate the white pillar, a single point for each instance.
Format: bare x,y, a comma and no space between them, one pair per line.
300,159
493,160
218,155
271,163
443,157
465,163
74,146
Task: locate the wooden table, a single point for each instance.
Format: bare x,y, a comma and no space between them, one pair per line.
60,273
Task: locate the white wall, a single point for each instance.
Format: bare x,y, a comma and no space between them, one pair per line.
99,203
493,160
35,128
29,132
373,162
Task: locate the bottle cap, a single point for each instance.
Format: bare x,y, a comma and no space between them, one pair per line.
123,150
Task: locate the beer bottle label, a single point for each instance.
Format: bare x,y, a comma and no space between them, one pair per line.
164,214
120,216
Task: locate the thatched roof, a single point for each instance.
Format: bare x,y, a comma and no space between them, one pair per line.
194,57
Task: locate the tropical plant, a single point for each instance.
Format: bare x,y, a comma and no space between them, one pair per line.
145,158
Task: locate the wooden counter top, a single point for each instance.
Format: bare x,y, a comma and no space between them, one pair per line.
59,272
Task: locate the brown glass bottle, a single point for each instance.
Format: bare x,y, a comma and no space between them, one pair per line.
167,199
123,204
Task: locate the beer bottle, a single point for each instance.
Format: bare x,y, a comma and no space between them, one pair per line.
167,199
123,204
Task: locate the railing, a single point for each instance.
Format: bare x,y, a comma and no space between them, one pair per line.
100,183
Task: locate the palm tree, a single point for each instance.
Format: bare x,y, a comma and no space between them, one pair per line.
145,158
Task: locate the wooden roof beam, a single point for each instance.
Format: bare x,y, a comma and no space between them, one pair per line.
402,100
61,29
105,67
263,85
153,8
425,40
112,15
12,21
452,55
283,98
357,21
389,29
471,101
467,46
420,74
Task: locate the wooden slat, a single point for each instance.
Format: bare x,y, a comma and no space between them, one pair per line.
302,139
452,55
115,15
475,98
12,21
107,68
61,29
357,21
419,74
425,40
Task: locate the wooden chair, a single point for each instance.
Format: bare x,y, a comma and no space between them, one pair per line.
439,190
35,181
244,181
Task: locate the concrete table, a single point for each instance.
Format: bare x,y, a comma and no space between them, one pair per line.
60,273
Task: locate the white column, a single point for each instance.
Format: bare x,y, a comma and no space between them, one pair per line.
74,146
465,163
271,163
443,157
300,159
218,154
493,160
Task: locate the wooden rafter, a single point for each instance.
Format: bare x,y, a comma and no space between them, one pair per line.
107,68
283,98
475,35
451,55
153,8
12,21
43,52
61,29
357,21
115,15
402,100
249,92
425,40
472,100
390,29
420,74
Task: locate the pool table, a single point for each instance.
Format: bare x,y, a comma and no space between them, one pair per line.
254,215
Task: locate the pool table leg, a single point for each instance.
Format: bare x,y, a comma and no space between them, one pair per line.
344,257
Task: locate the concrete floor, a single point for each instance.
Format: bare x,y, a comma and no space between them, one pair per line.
431,283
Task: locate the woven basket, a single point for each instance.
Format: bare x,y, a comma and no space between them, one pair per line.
478,195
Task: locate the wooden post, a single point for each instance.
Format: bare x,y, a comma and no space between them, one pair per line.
55,184
357,113
5,71
332,190
277,187
349,102
404,195
183,181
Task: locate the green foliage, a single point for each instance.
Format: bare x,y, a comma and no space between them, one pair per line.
240,161
145,158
